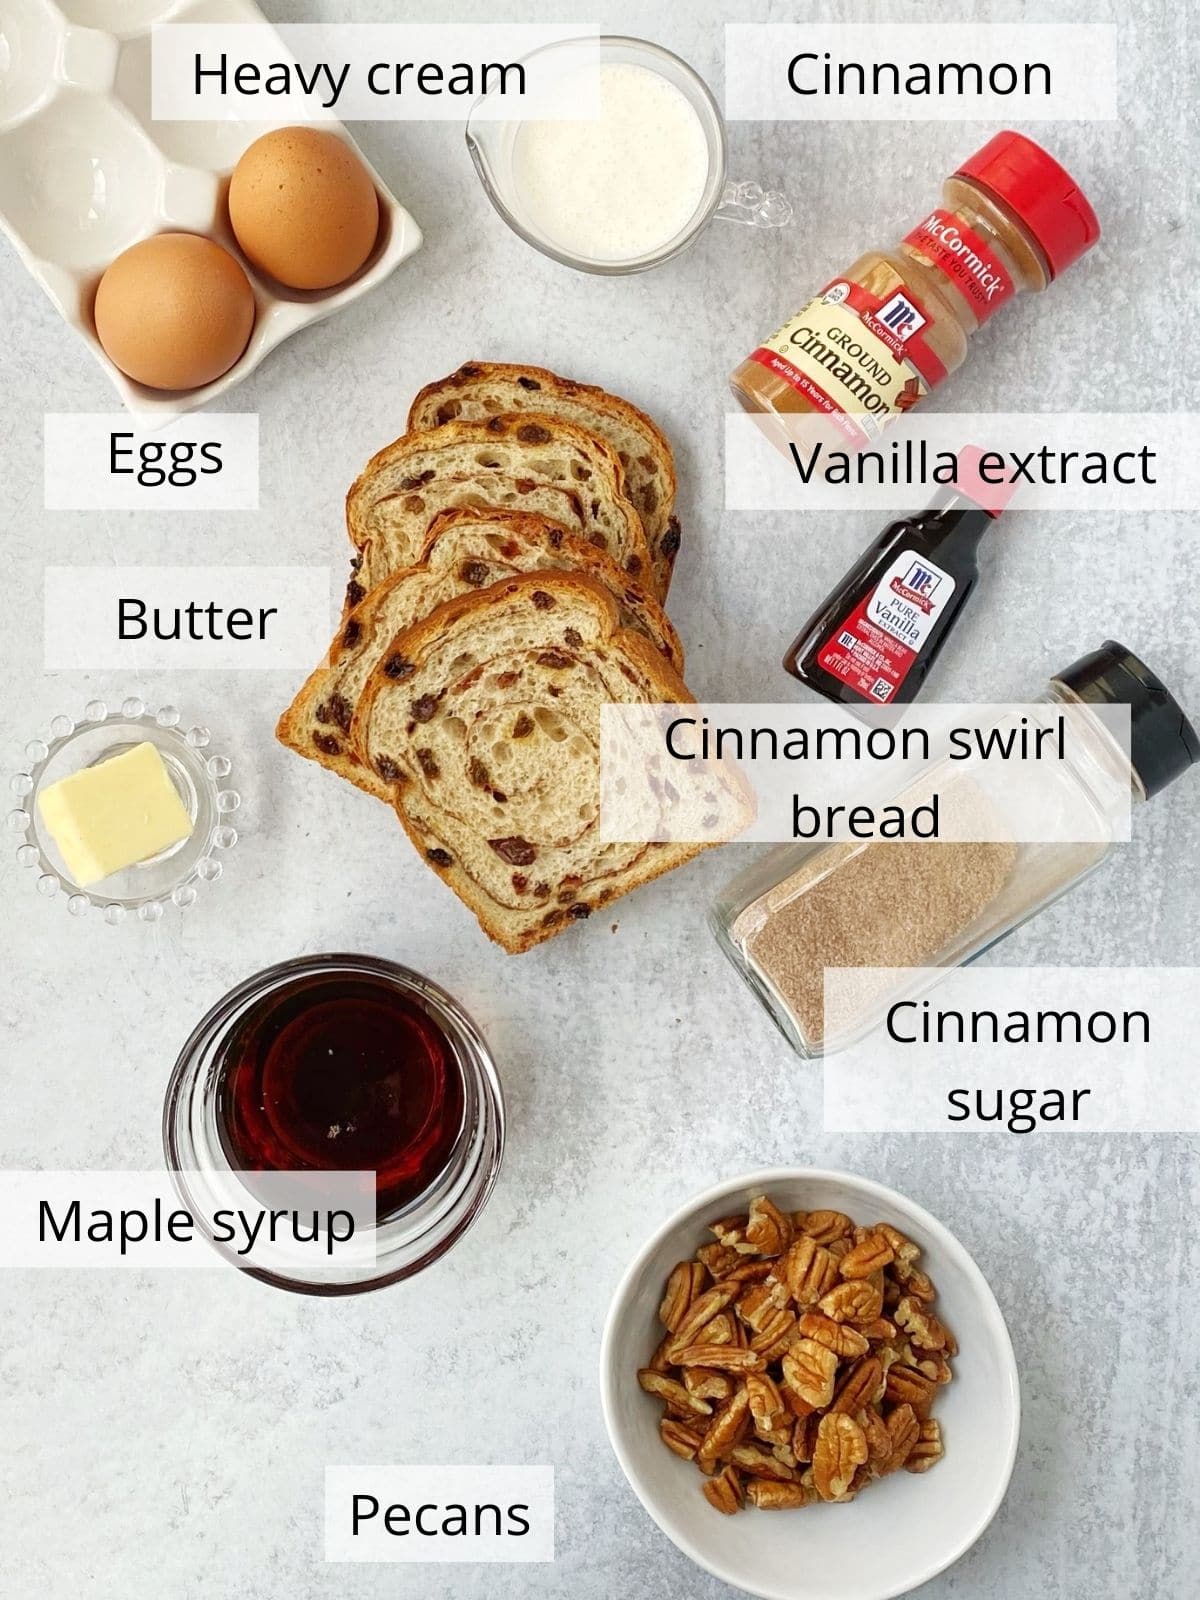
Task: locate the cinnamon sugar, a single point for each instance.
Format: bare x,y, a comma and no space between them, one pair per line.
880,905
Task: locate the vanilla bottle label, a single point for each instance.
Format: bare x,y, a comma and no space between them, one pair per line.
859,357
875,647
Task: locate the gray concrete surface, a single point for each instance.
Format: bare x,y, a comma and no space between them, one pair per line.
165,1436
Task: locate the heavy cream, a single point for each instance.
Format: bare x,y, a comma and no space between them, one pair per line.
621,185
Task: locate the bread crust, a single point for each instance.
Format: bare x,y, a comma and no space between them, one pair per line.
472,611
661,524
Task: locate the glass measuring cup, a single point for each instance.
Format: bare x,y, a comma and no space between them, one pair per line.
492,140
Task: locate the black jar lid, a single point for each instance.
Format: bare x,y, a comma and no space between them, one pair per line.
1162,742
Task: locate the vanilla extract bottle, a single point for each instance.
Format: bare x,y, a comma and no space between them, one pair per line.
874,639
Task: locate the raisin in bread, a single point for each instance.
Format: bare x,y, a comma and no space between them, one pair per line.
528,463
485,719
466,550
482,389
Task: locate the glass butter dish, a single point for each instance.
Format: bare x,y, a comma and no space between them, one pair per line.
199,778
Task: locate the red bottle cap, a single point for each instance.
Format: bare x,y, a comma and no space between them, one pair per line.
1044,196
992,497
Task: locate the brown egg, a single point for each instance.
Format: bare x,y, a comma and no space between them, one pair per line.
175,311
303,208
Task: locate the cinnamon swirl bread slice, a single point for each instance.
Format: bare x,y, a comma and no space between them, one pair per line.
524,463
485,719
483,389
466,551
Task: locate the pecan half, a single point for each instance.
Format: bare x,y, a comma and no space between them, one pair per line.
685,1284
902,1246
879,1440
720,1259
904,1432
757,1306
846,1343
724,1492
852,1302
776,1336
823,1226
768,1230
767,1495
723,1329
927,1451
754,1459
673,1393
841,1450
706,1384
679,1438
922,1327
766,1402
861,1387
727,1429
908,1387
702,1310
936,1367
809,1370
916,1284
724,1357
731,1231
809,1271
804,1436
871,1254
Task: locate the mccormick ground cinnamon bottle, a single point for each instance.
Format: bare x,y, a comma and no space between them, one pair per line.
876,340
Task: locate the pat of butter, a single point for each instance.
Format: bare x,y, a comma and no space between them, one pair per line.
114,814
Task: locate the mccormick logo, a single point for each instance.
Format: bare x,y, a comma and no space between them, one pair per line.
917,586
900,317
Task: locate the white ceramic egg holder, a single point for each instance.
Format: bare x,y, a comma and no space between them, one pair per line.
85,172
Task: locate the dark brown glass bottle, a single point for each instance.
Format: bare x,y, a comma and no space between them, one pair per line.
873,640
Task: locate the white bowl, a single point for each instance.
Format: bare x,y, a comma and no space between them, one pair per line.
899,1532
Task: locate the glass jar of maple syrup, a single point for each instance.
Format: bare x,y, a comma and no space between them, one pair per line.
877,339
336,1065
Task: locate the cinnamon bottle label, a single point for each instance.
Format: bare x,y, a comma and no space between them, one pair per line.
875,647
966,259
859,357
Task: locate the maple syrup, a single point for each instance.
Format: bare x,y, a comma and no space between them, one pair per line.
342,1071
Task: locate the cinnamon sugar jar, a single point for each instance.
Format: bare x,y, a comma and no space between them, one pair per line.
876,340
883,908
